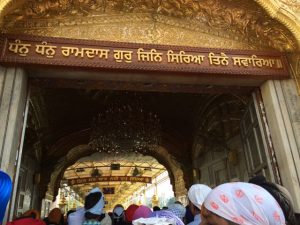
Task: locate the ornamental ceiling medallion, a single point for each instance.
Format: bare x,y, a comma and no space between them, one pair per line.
232,24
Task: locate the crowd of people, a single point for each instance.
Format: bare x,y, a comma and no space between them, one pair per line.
257,202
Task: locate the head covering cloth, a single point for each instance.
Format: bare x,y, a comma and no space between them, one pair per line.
197,194
118,211
178,209
98,207
5,191
244,203
167,214
130,211
76,218
142,212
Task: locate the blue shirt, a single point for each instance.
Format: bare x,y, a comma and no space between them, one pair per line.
197,220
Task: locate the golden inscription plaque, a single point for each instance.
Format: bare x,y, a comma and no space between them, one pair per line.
32,50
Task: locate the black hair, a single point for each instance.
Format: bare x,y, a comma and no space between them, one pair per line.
92,199
156,208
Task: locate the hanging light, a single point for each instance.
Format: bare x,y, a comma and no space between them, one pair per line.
135,172
125,126
96,173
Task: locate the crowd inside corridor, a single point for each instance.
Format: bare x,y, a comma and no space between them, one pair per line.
258,202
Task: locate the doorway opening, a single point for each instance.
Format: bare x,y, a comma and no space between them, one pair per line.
207,137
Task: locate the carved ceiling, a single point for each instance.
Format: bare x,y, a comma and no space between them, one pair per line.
218,23
218,120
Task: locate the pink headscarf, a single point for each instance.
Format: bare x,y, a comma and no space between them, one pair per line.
142,212
244,203
129,212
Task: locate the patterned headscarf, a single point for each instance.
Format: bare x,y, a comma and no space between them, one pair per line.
5,191
167,214
197,194
244,203
178,209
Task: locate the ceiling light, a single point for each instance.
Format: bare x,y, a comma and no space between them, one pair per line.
96,173
79,170
115,166
124,126
135,172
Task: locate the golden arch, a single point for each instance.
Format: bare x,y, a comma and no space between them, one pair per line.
275,26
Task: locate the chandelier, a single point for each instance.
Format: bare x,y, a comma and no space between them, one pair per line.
124,126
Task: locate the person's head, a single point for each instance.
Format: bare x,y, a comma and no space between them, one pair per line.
31,214
118,213
188,217
167,215
258,179
5,191
93,205
178,210
142,212
156,208
178,202
55,216
130,211
241,203
196,194
281,195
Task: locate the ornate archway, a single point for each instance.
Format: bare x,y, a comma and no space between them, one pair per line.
272,24
75,147
260,24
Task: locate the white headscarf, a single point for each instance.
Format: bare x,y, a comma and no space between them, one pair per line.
197,194
244,203
97,209
118,211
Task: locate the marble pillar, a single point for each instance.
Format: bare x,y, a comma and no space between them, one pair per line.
13,95
282,106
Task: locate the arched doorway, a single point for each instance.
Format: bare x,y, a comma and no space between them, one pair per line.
130,179
255,25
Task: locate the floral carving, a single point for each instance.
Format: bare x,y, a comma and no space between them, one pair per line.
245,20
